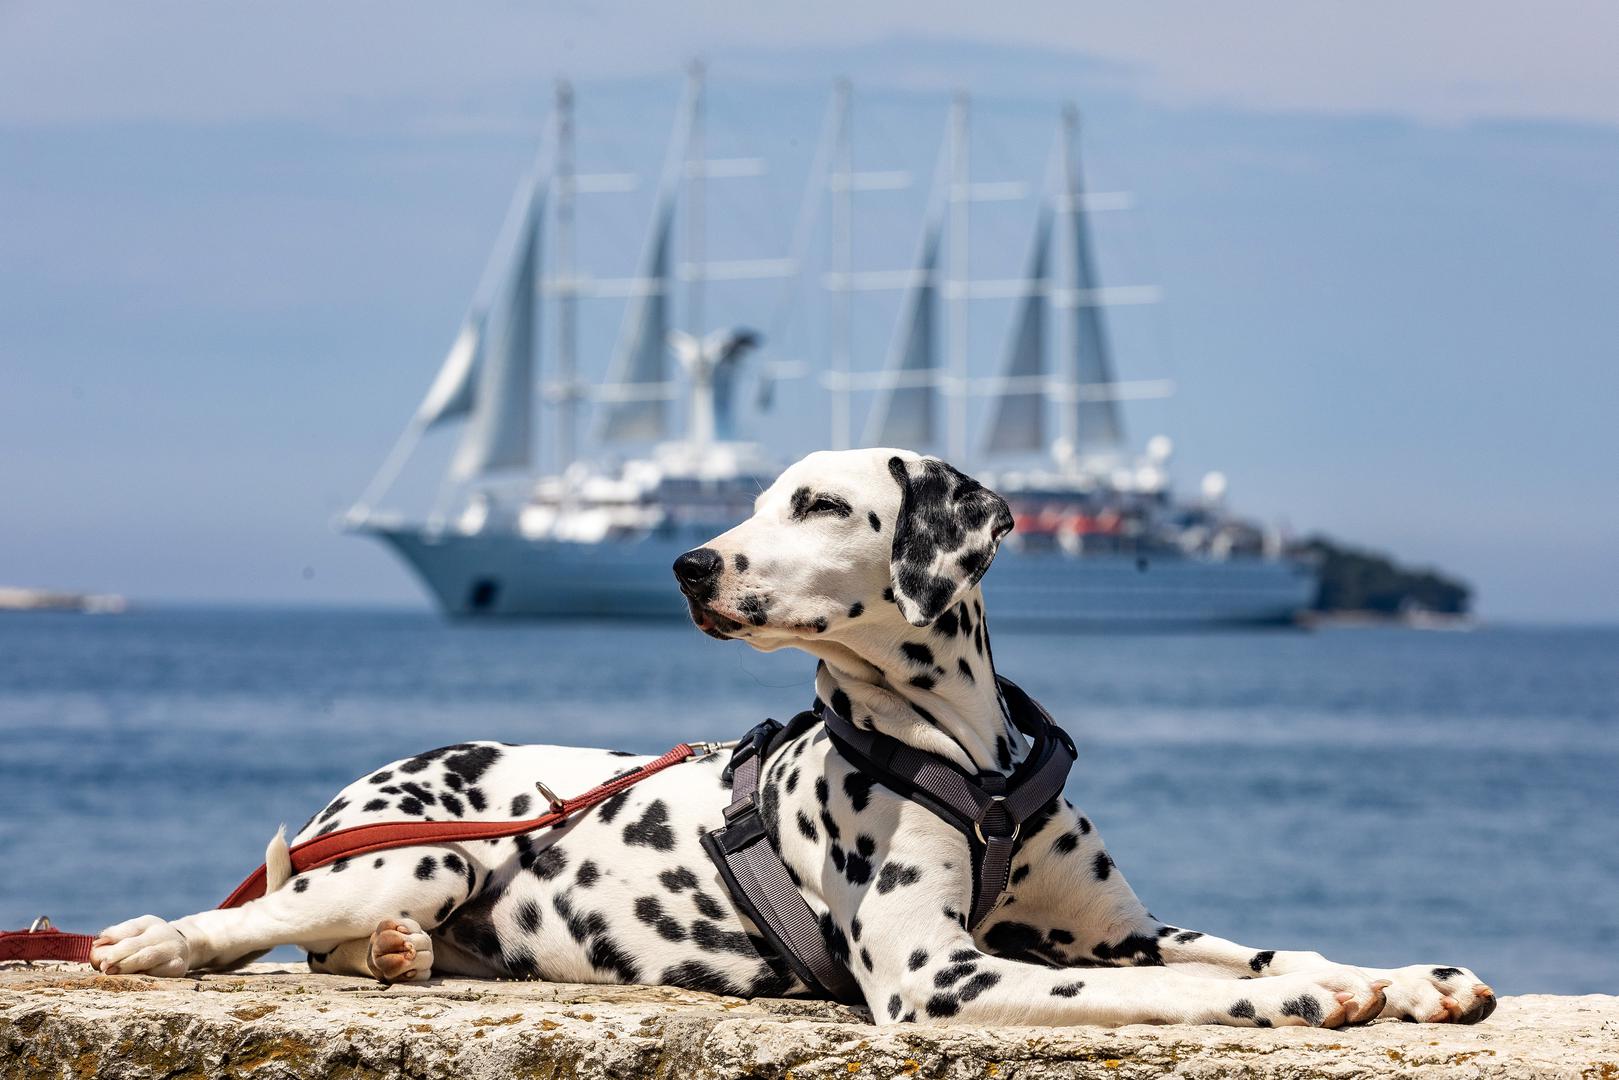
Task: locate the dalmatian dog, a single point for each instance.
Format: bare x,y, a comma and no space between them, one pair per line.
869,560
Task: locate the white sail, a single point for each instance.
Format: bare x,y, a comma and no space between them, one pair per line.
640,360
451,394
498,434
1017,418
1097,425
903,412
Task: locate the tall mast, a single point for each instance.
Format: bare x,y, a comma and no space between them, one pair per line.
568,295
1068,211
842,267
960,201
695,165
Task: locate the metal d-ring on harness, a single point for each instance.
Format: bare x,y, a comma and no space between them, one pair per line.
988,809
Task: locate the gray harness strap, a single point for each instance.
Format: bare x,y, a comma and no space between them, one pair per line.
989,810
758,880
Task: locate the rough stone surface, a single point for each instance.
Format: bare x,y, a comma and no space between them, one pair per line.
273,1021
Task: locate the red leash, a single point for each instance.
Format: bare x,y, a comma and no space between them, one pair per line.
42,942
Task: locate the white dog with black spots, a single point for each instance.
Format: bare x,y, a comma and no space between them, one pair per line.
869,560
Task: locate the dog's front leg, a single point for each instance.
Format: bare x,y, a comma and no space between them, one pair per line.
943,977
1430,993
1073,906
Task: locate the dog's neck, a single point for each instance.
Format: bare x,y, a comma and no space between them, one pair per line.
930,686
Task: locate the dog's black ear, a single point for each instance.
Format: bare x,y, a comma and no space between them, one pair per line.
948,530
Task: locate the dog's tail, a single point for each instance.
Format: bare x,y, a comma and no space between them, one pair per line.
277,862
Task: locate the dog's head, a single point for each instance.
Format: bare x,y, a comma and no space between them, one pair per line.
846,538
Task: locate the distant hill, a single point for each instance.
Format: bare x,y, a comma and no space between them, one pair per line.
1355,581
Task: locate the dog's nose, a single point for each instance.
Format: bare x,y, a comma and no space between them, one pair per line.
697,569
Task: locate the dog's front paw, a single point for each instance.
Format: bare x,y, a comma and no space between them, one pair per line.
1329,998
400,951
1436,995
146,945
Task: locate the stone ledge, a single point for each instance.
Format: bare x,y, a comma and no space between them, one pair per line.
275,1021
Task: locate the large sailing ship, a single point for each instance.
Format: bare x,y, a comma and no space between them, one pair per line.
1101,539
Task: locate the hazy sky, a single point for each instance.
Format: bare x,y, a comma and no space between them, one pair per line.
234,245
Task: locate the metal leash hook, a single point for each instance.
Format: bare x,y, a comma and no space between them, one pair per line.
551,797
38,926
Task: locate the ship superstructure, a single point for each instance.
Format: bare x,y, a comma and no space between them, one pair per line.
1101,539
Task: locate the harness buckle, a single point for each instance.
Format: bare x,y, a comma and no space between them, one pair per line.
978,826
40,925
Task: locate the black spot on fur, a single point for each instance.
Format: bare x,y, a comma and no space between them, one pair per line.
837,943
917,961
1261,960
382,777
676,880
605,955
741,562
858,867
587,875
917,654
1067,990
412,788
1065,844
1243,1009
426,868
452,804
1139,949
922,682
520,806
875,521
411,806
708,906
965,669
945,625
528,917
1102,865
840,704
753,608
710,937
649,911
856,609
1443,974
696,975
653,829
858,787
1305,1007
609,809
894,1003
1018,874
806,827
1185,936
896,874
549,863
376,804
300,885
334,809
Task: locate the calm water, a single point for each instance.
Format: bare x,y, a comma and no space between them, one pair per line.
1382,796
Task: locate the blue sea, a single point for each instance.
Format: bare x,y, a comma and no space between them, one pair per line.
1384,796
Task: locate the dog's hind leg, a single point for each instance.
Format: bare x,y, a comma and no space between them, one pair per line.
398,950
320,911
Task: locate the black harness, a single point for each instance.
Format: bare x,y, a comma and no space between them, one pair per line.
988,809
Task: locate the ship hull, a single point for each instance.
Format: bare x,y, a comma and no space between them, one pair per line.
504,575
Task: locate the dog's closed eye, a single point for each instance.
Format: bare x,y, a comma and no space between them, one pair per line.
807,504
